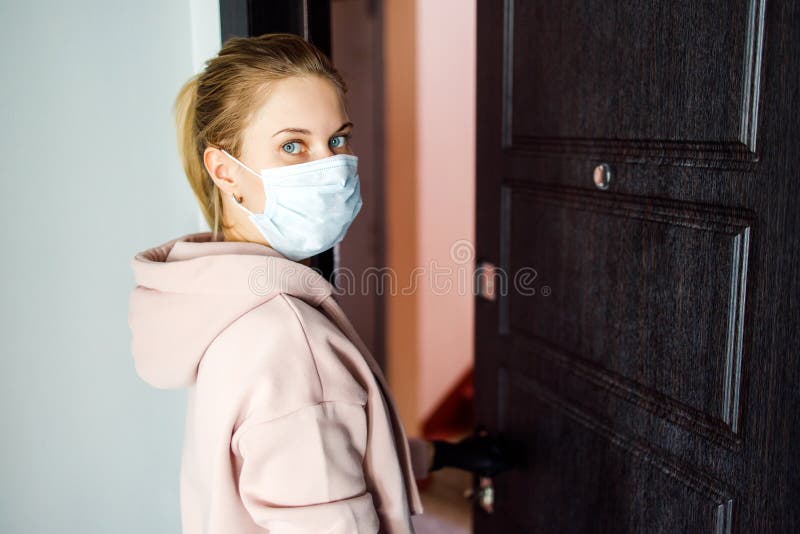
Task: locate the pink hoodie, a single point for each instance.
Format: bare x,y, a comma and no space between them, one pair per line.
290,425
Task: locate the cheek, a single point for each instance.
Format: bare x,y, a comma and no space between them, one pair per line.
272,157
253,192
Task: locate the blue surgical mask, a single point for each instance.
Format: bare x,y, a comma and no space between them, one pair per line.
308,206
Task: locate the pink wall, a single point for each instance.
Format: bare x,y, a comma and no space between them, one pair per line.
431,128
446,177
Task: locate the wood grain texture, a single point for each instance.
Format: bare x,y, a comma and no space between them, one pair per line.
653,382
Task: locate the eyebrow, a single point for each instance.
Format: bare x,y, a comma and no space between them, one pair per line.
308,132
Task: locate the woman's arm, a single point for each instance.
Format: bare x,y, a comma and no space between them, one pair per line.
421,456
302,472
480,453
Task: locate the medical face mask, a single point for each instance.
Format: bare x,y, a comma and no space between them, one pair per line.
308,206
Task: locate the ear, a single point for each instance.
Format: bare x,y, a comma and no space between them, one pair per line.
221,168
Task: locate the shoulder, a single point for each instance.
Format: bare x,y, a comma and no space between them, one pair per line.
282,355
262,362
265,338
333,353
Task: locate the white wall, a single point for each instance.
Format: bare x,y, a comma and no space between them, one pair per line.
90,176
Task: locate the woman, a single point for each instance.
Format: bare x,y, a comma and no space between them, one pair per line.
290,426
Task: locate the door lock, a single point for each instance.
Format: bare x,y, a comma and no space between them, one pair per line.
602,175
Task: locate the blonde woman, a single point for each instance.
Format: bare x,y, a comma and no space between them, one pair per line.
290,425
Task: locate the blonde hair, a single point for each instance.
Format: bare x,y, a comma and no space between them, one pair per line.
215,105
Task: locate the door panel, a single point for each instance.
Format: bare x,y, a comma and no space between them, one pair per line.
679,70
637,489
644,348
670,80
635,264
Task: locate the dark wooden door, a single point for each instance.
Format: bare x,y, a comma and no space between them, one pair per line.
644,350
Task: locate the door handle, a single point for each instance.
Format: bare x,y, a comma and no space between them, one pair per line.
496,455
482,494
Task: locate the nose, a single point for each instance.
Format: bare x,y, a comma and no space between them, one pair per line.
323,151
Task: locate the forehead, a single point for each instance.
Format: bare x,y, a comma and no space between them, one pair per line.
309,102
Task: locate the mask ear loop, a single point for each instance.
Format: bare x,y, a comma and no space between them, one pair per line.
240,163
236,200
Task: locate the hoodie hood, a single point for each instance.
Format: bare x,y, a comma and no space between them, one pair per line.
191,288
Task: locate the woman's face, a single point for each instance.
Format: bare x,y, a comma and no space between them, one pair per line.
303,119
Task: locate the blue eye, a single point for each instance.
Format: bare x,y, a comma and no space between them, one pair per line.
290,147
342,141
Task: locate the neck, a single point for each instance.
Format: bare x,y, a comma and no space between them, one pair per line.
230,234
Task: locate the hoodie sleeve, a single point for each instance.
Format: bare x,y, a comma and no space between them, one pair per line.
302,472
421,456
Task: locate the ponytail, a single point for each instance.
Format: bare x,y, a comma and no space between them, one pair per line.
191,154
